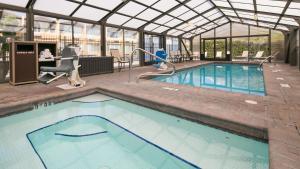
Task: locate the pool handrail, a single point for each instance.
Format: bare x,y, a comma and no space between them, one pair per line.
269,58
148,74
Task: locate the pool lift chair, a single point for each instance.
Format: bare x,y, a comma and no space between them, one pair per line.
68,67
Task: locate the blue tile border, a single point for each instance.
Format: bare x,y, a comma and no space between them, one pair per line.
128,131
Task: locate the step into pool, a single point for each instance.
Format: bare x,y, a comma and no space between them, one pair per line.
242,78
100,132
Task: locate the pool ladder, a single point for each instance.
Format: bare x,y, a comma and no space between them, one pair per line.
149,73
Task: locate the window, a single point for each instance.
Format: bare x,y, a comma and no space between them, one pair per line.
114,40
88,37
12,26
49,29
131,39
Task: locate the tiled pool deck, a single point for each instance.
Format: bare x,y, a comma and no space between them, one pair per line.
276,117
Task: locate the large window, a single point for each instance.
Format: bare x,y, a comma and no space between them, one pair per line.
131,39
87,36
240,48
47,29
12,26
152,44
114,40
277,44
123,40
172,44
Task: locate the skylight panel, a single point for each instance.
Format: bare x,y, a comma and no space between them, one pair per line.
251,22
161,29
117,19
172,31
90,13
173,22
228,12
21,3
221,21
209,26
201,22
132,9
64,7
149,14
164,19
188,15
182,26
106,4
288,21
234,19
246,14
269,18
222,3
151,26
266,25
270,9
188,35
177,33
147,2
281,27
293,9
164,5
204,7
243,4
134,23
199,30
213,14
179,11
276,3
195,3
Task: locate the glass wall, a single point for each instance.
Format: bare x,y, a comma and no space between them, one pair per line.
12,26
152,44
240,48
209,46
196,45
258,44
131,39
187,44
47,29
88,37
277,44
114,40
172,44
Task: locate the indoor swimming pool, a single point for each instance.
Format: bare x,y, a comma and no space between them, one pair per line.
242,78
100,132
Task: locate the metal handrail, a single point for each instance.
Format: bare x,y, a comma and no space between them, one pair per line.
262,62
148,74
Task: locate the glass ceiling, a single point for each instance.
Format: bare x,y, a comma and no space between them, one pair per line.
185,18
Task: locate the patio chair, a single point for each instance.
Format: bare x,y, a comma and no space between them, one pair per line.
68,67
115,53
219,54
172,56
244,56
259,55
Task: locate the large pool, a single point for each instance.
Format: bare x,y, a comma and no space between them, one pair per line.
100,132
229,77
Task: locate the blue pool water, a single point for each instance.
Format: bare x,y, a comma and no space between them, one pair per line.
229,77
99,132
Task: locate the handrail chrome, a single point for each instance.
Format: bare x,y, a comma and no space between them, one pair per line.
149,74
267,59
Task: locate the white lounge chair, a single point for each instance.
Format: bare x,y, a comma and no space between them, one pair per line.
243,57
259,55
219,54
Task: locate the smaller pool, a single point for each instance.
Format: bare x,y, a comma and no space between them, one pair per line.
240,78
